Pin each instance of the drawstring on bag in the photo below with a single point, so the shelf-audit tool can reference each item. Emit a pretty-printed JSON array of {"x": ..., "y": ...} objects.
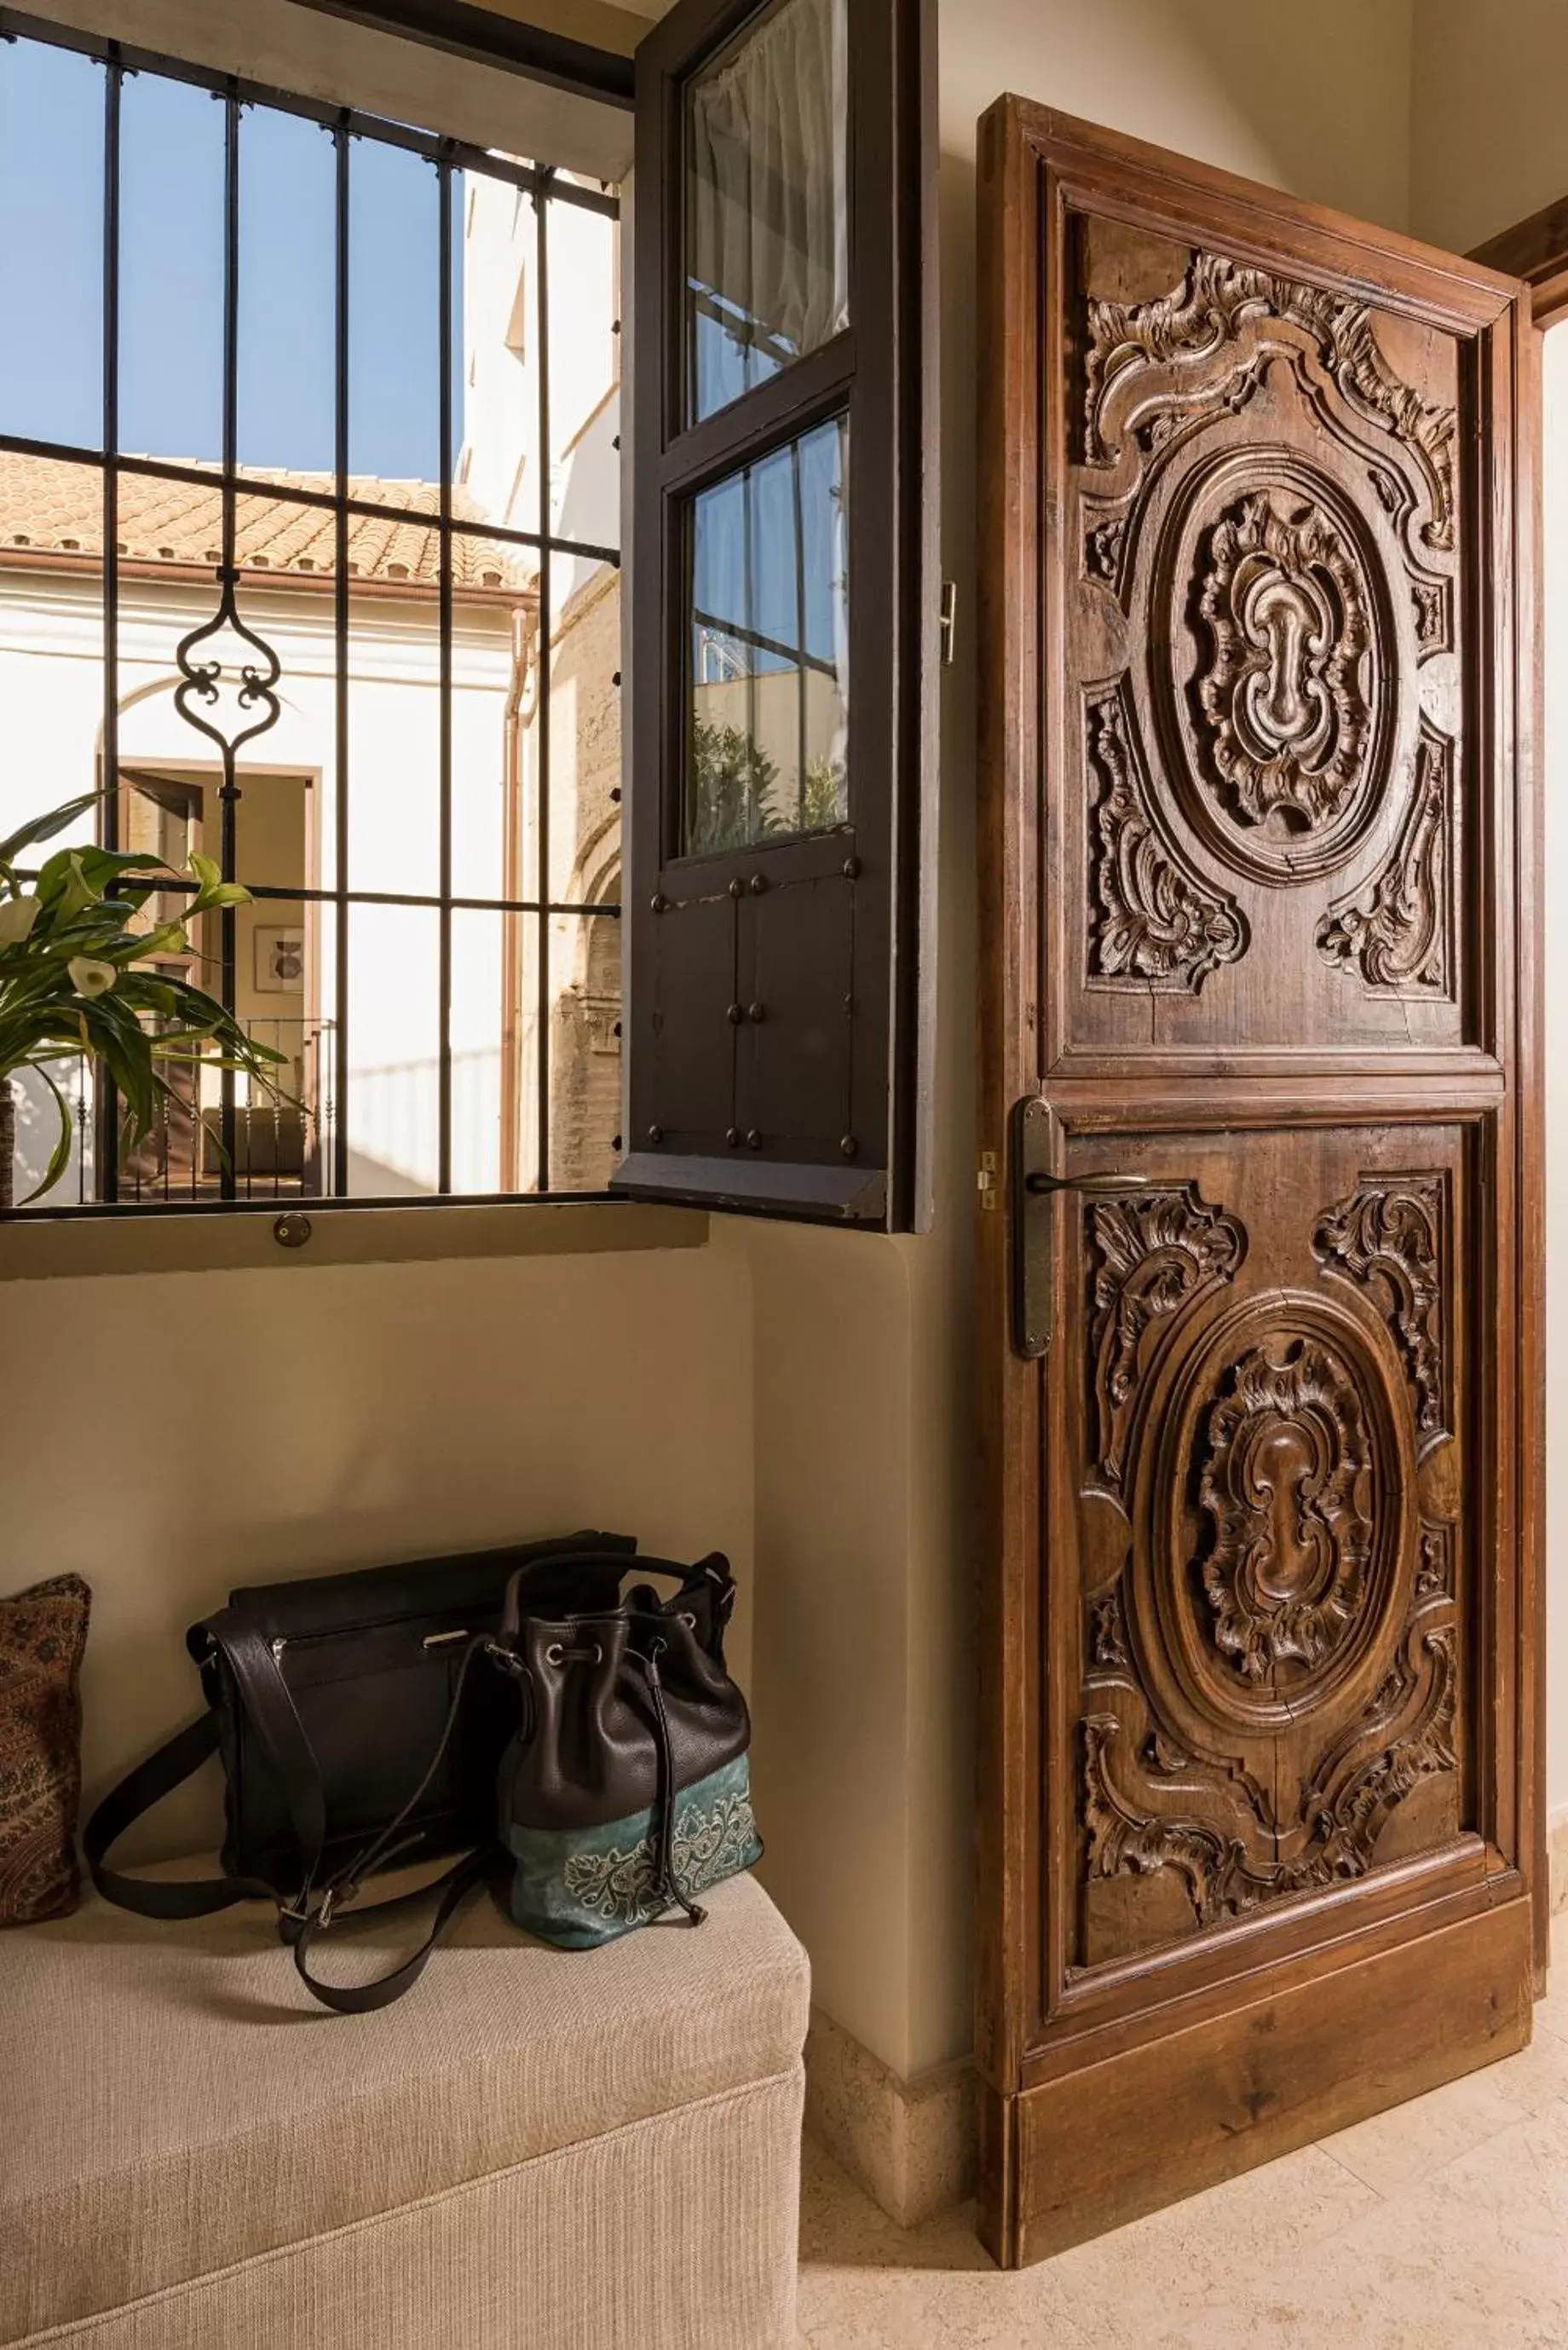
[{"x": 669, "y": 1882}]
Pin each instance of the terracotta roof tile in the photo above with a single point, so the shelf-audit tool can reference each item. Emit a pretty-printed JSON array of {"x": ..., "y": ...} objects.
[{"x": 57, "y": 507}]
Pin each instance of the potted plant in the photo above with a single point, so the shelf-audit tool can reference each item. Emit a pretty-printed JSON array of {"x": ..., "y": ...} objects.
[{"x": 74, "y": 978}]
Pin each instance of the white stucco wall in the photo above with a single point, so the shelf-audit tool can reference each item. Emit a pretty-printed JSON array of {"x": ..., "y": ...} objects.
[{"x": 51, "y": 708}]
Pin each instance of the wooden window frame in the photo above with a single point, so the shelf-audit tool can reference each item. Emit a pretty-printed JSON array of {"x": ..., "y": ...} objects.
[
  {"x": 878, "y": 370},
  {"x": 468, "y": 28}
]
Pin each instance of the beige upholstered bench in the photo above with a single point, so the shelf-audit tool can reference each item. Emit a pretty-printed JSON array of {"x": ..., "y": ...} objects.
[{"x": 534, "y": 2151}]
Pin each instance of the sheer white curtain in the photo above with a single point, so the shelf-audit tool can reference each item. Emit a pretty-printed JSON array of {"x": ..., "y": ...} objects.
[{"x": 767, "y": 230}]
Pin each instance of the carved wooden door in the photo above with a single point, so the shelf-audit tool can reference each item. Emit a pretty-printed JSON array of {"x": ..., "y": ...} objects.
[{"x": 1258, "y": 1192}]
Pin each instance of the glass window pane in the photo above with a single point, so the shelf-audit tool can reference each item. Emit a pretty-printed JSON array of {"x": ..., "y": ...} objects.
[
  {"x": 584, "y": 783},
  {"x": 278, "y": 1000},
  {"x": 585, "y": 1051},
  {"x": 768, "y": 689},
  {"x": 766, "y": 231},
  {"x": 394, "y": 319},
  {"x": 494, "y": 659},
  {"x": 394, "y": 709},
  {"x": 393, "y": 1080},
  {"x": 495, "y": 353},
  {"x": 585, "y": 375},
  {"x": 51, "y": 714},
  {"x": 51, "y": 260},
  {"x": 38, "y": 1133},
  {"x": 494, "y": 1084},
  {"x": 288, "y": 307},
  {"x": 170, "y": 538},
  {"x": 51, "y": 639},
  {"x": 339, "y": 799},
  {"x": 171, "y": 270}
]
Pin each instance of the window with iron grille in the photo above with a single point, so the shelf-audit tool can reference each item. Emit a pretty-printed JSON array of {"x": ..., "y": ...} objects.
[
  {"x": 309, "y": 525},
  {"x": 310, "y": 565}
]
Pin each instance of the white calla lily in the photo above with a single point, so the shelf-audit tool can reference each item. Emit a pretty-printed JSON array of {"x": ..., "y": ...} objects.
[
  {"x": 77, "y": 894},
  {"x": 17, "y": 916},
  {"x": 90, "y": 977}
]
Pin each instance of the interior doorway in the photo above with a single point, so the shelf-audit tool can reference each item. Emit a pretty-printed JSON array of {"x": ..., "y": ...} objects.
[{"x": 171, "y": 811}]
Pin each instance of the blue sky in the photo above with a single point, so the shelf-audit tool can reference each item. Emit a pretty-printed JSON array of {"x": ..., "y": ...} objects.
[{"x": 172, "y": 278}]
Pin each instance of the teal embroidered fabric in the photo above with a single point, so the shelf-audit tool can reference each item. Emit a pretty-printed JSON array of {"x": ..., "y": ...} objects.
[{"x": 580, "y": 1886}]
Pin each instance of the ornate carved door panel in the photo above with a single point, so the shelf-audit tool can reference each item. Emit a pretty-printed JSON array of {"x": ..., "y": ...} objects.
[
  {"x": 1273, "y": 1529},
  {"x": 1259, "y": 1801}
]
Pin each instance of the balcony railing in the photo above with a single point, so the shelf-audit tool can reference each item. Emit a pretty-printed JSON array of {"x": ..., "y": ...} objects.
[
  {"x": 284, "y": 1146},
  {"x": 281, "y": 1145}
]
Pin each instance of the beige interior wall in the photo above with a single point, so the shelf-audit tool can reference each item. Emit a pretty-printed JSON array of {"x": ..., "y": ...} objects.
[
  {"x": 168, "y": 1436},
  {"x": 1490, "y": 128}
]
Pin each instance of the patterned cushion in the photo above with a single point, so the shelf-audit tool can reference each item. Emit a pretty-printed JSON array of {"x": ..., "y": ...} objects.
[{"x": 42, "y": 1634}]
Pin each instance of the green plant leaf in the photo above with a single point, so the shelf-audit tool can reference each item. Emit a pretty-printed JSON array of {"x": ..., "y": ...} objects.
[
  {"x": 60, "y": 1156},
  {"x": 217, "y": 893},
  {"x": 45, "y": 827},
  {"x": 101, "y": 865},
  {"x": 136, "y": 946},
  {"x": 53, "y": 875}
]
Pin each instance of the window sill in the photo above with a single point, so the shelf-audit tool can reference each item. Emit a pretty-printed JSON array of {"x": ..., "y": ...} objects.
[{"x": 61, "y": 1249}]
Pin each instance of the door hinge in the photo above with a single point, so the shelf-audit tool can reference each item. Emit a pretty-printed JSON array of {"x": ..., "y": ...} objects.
[{"x": 948, "y": 624}]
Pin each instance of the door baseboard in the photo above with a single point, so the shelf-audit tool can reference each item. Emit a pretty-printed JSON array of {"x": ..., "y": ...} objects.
[
  {"x": 909, "y": 2144},
  {"x": 1072, "y": 2159},
  {"x": 1557, "y": 1858}
]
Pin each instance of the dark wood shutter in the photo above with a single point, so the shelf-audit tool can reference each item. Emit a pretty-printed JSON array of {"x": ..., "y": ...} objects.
[{"x": 775, "y": 1017}]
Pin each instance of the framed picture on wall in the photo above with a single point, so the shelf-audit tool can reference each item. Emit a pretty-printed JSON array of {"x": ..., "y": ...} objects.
[{"x": 279, "y": 959}]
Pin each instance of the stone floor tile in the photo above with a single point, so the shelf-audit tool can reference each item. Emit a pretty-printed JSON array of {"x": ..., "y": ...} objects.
[
  {"x": 1397, "y": 2148},
  {"x": 1152, "y": 2274},
  {"x": 867, "y": 2284},
  {"x": 1442, "y": 2225}
]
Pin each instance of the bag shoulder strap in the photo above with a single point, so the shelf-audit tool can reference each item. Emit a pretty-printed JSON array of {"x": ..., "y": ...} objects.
[
  {"x": 454, "y": 1887},
  {"x": 274, "y": 1719},
  {"x": 609, "y": 1567},
  {"x": 137, "y": 1792},
  {"x": 270, "y": 1711}
]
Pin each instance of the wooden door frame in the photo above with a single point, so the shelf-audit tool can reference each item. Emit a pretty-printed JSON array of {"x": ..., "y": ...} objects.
[
  {"x": 1018, "y": 637},
  {"x": 1535, "y": 251}
]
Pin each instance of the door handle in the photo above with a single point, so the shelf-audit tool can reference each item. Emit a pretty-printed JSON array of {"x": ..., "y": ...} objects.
[
  {"x": 1107, "y": 1180},
  {"x": 1033, "y": 1189}
]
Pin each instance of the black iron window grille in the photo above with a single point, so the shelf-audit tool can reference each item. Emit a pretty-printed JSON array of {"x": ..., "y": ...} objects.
[{"x": 251, "y": 611}]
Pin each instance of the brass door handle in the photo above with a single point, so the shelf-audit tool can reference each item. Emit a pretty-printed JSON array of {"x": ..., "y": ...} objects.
[
  {"x": 1035, "y": 1142},
  {"x": 1107, "y": 1183}
]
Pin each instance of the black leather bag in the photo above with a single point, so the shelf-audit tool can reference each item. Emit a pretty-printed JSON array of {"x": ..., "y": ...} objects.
[
  {"x": 375, "y": 1717},
  {"x": 327, "y": 1700}
]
